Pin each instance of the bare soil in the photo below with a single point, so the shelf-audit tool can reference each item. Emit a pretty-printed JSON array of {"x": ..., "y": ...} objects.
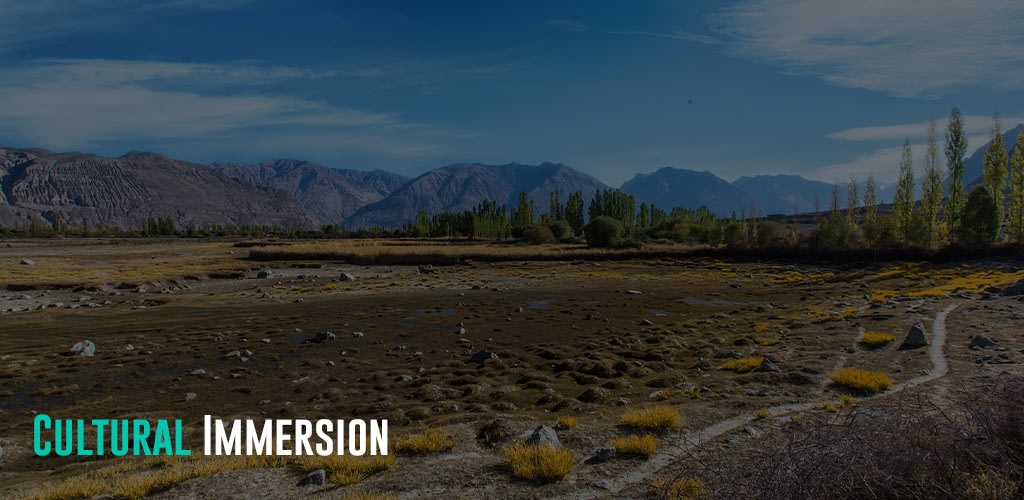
[{"x": 587, "y": 339}]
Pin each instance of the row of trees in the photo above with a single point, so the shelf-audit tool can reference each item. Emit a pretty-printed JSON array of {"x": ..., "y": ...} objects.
[{"x": 933, "y": 220}]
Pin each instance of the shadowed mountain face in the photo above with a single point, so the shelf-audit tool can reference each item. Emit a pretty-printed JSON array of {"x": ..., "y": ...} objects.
[
  {"x": 676, "y": 187},
  {"x": 124, "y": 192},
  {"x": 462, "y": 186},
  {"x": 331, "y": 195}
]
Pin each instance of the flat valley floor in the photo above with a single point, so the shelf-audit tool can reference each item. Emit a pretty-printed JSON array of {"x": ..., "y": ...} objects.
[{"x": 187, "y": 328}]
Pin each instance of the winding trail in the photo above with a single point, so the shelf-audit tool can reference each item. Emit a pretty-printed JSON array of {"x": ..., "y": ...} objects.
[{"x": 686, "y": 442}]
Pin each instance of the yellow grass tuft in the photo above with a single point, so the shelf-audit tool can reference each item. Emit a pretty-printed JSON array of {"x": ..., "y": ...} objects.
[
  {"x": 861, "y": 380},
  {"x": 847, "y": 400},
  {"x": 565, "y": 422},
  {"x": 679, "y": 488},
  {"x": 877, "y": 339},
  {"x": 431, "y": 440},
  {"x": 830, "y": 407},
  {"x": 762, "y": 413},
  {"x": 635, "y": 445},
  {"x": 543, "y": 463},
  {"x": 766, "y": 341},
  {"x": 345, "y": 470},
  {"x": 742, "y": 365},
  {"x": 655, "y": 418}
]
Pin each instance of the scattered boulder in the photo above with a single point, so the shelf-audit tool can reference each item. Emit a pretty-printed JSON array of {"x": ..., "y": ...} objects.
[
  {"x": 425, "y": 268},
  {"x": 324, "y": 336},
  {"x": 483, "y": 356},
  {"x": 916, "y": 337},
  {"x": 603, "y": 453},
  {"x": 28, "y": 262},
  {"x": 264, "y": 274},
  {"x": 315, "y": 478},
  {"x": 544, "y": 435},
  {"x": 189, "y": 396},
  {"x": 981, "y": 342},
  {"x": 198, "y": 371},
  {"x": 403, "y": 378},
  {"x": 646, "y": 322},
  {"x": 347, "y": 277},
  {"x": 83, "y": 348},
  {"x": 767, "y": 366}
]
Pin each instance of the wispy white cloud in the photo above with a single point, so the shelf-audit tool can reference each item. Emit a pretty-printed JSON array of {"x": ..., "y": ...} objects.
[
  {"x": 686, "y": 36},
  {"x": 973, "y": 124},
  {"x": 79, "y": 104},
  {"x": 883, "y": 163},
  {"x": 906, "y": 48}
]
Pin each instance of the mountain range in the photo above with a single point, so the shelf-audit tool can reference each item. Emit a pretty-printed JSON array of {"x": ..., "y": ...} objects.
[{"x": 124, "y": 192}]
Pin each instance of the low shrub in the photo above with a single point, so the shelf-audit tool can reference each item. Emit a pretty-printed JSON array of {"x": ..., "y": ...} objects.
[
  {"x": 655, "y": 418},
  {"x": 541, "y": 463},
  {"x": 742, "y": 365},
  {"x": 861, "y": 380},
  {"x": 877, "y": 339},
  {"x": 635, "y": 445}
]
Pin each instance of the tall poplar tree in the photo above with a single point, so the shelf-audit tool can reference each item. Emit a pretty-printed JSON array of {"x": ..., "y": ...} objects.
[
  {"x": 870, "y": 202},
  {"x": 903, "y": 201},
  {"x": 956, "y": 148},
  {"x": 931, "y": 186},
  {"x": 852, "y": 201},
  {"x": 993, "y": 170},
  {"x": 1017, "y": 190}
]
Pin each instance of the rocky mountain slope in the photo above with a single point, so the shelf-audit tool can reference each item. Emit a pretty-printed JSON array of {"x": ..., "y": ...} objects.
[
  {"x": 124, "y": 192},
  {"x": 463, "y": 186},
  {"x": 330, "y": 194},
  {"x": 670, "y": 187}
]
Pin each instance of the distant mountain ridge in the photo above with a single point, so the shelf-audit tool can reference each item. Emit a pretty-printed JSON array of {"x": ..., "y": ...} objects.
[
  {"x": 124, "y": 192},
  {"x": 331, "y": 195},
  {"x": 463, "y": 186},
  {"x": 670, "y": 187}
]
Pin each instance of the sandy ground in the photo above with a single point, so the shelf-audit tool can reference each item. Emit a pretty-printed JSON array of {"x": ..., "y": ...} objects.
[{"x": 587, "y": 339}]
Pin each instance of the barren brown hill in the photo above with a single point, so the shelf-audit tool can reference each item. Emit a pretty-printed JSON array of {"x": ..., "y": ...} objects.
[
  {"x": 330, "y": 194},
  {"x": 124, "y": 192}
]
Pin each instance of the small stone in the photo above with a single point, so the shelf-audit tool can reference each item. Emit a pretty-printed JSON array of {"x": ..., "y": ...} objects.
[
  {"x": 347, "y": 277},
  {"x": 603, "y": 453},
  {"x": 233, "y": 354},
  {"x": 633, "y": 292},
  {"x": 916, "y": 337},
  {"x": 604, "y": 484},
  {"x": 646, "y": 322},
  {"x": 198, "y": 371},
  {"x": 264, "y": 274},
  {"x": 28, "y": 262},
  {"x": 265, "y": 341},
  {"x": 357, "y": 334},
  {"x": 460, "y": 330},
  {"x": 129, "y": 347},
  {"x": 404, "y": 378},
  {"x": 189, "y": 396},
  {"x": 83, "y": 348},
  {"x": 544, "y": 435},
  {"x": 981, "y": 342},
  {"x": 324, "y": 336},
  {"x": 483, "y": 356},
  {"x": 315, "y": 478}
]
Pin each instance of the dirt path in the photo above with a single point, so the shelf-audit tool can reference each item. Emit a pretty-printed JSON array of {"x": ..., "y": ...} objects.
[{"x": 685, "y": 442}]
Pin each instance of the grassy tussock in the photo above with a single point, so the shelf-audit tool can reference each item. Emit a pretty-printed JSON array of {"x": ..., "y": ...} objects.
[
  {"x": 432, "y": 440},
  {"x": 679, "y": 488},
  {"x": 877, "y": 339},
  {"x": 541, "y": 463},
  {"x": 345, "y": 470},
  {"x": 137, "y": 479},
  {"x": 762, "y": 413},
  {"x": 861, "y": 380},
  {"x": 742, "y": 365},
  {"x": 565, "y": 422},
  {"x": 766, "y": 341},
  {"x": 655, "y": 418},
  {"x": 644, "y": 446}
]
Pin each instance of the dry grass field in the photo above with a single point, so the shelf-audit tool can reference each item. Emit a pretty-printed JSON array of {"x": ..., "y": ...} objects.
[{"x": 634, "y": 352}]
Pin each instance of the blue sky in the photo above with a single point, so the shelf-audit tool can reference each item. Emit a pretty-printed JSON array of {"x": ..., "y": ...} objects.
[{"x": 821, "y": 88}]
